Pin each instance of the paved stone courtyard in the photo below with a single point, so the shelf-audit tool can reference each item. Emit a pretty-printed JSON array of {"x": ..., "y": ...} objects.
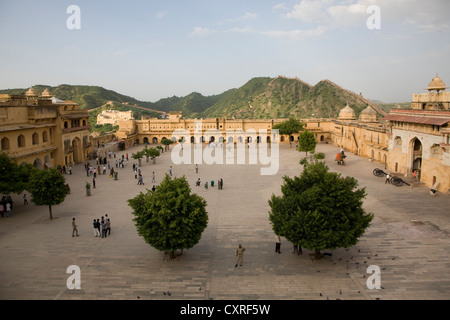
[{"x": 408, "y": 240}]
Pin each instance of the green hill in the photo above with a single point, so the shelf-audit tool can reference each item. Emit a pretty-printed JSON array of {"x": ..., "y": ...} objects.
[
  {"x": 283, "y": 97},
  {"x": 261, "y": 97}
]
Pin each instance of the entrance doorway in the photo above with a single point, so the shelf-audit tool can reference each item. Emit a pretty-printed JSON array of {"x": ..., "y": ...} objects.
[
  {"x": 416, "y": 157},
  {"x": 76, "y": 144}
]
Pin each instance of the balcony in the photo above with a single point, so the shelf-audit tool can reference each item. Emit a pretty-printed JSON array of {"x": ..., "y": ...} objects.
[{"x": 74, "y": 129}]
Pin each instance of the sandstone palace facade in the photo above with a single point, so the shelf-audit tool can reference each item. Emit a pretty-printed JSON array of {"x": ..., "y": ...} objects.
[
  {"x": 43, "y": 130},
  {"x": 47, "y": 132},
  {"x": 403, "y": 141}
]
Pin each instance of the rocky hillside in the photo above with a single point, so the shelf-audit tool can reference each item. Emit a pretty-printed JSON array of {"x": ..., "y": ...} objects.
[
  {"x": 291, "y": 97},
  {"x": 261, "y": 97}
]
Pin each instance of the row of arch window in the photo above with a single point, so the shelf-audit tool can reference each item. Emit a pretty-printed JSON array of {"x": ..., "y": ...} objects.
[
  {"x": 230, "y": 139},
  {"x": 21, "y": 141},
  {"x": 221, "y": 139},
  {"x": 435, "y": 149}
]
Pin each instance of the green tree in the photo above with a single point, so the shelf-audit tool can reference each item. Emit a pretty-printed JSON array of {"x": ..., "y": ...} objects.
[
  {"x": 289, "y": 127},
  {"x": 138, "y": 156},
  {"x": 170, "y": 218},
  {"x": 13, "y": 177},
  {"x": 320, "y": 210},
  {"x": 319, "y": 156},
  {"x": 166, "y": 142},
  {"x": 47, "y": 188},
  {"x": 306, "y": 142},
  {"x": 152, "y": 153}
]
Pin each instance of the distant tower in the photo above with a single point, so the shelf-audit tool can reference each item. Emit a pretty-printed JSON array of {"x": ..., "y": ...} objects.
[
  {"x": 32, "y": 95},
  {"x": 46, "y": 94},
  {"x": 347, "y": 113}
]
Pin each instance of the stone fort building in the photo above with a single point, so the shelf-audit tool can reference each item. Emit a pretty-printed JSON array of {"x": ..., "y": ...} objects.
[
  {"x": 43, "y": 130},
  {"x": 404, "y": 141}
]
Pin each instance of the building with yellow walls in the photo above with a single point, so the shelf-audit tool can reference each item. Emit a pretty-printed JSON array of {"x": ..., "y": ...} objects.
[
  {"x": 419, "y": 138},
  {"x": 403, "y": 141},
  {"x": 43, "y": 130}
]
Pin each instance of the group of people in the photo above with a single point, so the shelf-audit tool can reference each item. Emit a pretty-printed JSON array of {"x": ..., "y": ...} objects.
[
  {"x": 296, "y": 248},
  {"x": 219, "y": 183},
  {"x": 6, "y": 206},
  {"x": 102, "y": 228},
  {"x": 63, "y": 169}
]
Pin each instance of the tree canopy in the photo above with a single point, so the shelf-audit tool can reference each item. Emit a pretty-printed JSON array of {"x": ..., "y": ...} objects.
[
  {"x": 47, "y": 188},
  {"x": 13, "y": 177},
  {"x": 151, "y": 152},
  {"x": 170, "y": 218},
  {"x": 306, "y": 142},
  {"x": 166, "y": 142},
  {"x": 289, "y": 127},
  {"x": 320, "y": 209}
]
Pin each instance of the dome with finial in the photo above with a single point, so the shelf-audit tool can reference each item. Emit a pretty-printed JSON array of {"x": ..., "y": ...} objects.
[
  {"x": 31, "y": 93},
  {"x": 436, "y": 84},
  {"x": 368, "y": 115},
  {"x": 46, "y": 94},
  {"x": 347, "y": 113}
]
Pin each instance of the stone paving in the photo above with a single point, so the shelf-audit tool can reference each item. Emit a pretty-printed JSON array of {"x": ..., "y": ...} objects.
[{"x": 408, "y": 240}]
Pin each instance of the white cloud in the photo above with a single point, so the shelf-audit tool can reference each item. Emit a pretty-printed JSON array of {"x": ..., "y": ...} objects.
[
  {"x": 201, "y": 32},
  {"x": 248, "y": 15},
  {"x": 280, "y": 6},
  {"x": 424, "y": 16},
  {"x": 242, "y": 30},
  {"x": 310, "y": 11},
  {"x": 161, "y": 14},
  {"x": 296, "y": 35}
]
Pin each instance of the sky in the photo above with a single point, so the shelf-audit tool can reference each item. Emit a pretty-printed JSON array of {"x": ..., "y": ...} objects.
[{"x": 385, "y": 49}]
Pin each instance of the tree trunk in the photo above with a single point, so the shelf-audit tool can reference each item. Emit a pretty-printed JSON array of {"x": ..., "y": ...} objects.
[
  {"x": 318, "y": 254},
  {"x": 50, "y": 211}
]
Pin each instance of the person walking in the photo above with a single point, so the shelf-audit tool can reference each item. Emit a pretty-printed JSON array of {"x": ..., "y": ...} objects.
[
  {"x": 170, "y": 170},
  {"x": 96, "y": 228},
  {"x": 74, "y": 228},
  {"x": 8, "y": 209},
  {"x": 153, "y": 177},
  {"x": 278, "y": 244},
  {"x": 25, "y": 201},
  {"x": 103, "y": 224},
  {"x": 108, "y": 227},
  {"x": 387, "y": 179},
  {"x": 240, "y": 255},
  {"x": 196, "y": 168},
  {"x": 297, "y": 249}
]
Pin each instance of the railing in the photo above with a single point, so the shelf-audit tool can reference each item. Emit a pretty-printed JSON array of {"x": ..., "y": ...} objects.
[
  {"x": 68, "y": 130},
  {"x": 68, "y": 150}
]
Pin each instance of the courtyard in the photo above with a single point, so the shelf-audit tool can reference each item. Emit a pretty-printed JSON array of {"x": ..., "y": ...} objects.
[{"x": 408, "y": 240}]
